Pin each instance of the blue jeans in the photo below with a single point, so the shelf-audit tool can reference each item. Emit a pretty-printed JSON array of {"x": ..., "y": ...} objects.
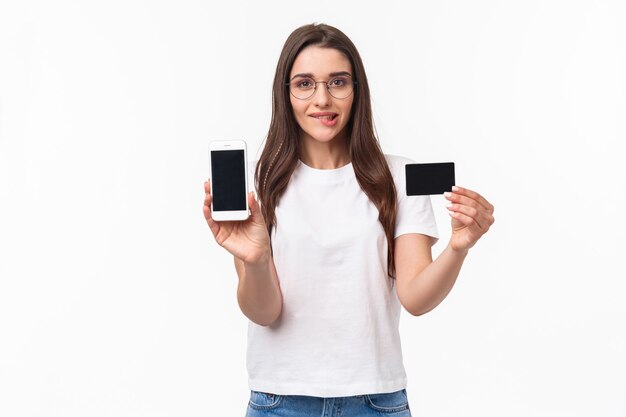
[{"x": 394, "y": 404}]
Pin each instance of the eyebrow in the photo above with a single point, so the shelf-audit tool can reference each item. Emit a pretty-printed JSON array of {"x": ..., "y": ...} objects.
[{"x": 332, "y": 74}]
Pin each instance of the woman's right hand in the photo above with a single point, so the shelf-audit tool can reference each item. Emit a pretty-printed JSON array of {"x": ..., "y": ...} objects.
[{"x": 247, "y": 240}]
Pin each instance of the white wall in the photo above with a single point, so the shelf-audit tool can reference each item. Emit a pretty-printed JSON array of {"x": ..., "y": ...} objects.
[{"x": 116, "y": 301}]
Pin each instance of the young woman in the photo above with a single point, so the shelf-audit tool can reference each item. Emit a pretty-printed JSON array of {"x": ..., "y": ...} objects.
[{"x": 333, "y": 246}]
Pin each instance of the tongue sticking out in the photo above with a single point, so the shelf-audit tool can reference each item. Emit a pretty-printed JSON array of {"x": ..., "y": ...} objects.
[{"x": 328, "y": 121}]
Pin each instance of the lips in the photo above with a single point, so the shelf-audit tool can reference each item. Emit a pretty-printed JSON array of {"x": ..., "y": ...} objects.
[
  {"x": 324, "y": 115},
  {"x": 327, "y": 119}
]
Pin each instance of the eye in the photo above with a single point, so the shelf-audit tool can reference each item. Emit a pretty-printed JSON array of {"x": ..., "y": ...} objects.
[
  {"x": 304, "y": 83},
  {"x": 339, "y": 82}
]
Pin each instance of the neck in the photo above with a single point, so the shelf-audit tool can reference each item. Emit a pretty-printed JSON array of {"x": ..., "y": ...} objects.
[{"x": 324, "y": 155}]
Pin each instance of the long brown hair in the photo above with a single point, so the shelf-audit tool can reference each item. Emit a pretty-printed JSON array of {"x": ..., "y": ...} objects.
[{"x": 280, "y": 156}]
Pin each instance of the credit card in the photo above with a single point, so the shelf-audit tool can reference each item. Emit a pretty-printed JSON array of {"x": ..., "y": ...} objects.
[{"x": 429, "y": 179}]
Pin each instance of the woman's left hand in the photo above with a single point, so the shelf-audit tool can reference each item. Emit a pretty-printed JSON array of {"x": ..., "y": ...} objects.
[{"x": 472, "y": 215}]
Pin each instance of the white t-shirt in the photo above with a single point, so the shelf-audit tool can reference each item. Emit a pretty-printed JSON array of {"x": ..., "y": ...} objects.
[{"x": 337, "y": 334}]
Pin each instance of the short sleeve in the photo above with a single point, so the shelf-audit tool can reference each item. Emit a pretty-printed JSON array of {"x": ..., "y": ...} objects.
[{"x": 415, "y": 213}]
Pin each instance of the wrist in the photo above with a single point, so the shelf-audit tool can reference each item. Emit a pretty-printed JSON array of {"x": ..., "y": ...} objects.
[
  {"x": 461, "y": 252},
  {"x": 259, "y": 261}
]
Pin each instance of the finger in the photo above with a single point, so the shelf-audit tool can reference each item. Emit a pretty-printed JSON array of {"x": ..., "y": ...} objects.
[
  {"x": 252, "y": 201},
  {"x": 469, "y": 213},
  {"x": 213, "y": 225},
  {"x": 474, "y": 196},
  {"x": 463, "y": 200},
  {"x": 255, "y": 209},
  {"x": 458, "y": 201},
  {"x": 207, "y": 200},
  {"x": 471, "y": 208},
  {"x": 482, "y": 218},
  {"x": 207, "y": 193},
  {"x": 465, "y": 220}
]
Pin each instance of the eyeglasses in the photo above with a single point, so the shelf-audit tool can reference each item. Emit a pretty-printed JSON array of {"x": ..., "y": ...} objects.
[{"x": 303, "y": 88}]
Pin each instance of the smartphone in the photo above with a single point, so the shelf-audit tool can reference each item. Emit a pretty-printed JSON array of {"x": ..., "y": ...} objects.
[
  {"x": 428, "y": 179},
  {"x": 229, "y": 179}
]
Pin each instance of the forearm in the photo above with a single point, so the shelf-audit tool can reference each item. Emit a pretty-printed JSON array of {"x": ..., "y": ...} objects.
[
  {"x": 258, "y": 292},
  {"x": 429, "y": 288}
]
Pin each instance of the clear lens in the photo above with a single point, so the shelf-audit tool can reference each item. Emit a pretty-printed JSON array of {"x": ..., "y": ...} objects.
[
  {"x": 339, "y": 87},
  {"x": 302, "y": 88}
]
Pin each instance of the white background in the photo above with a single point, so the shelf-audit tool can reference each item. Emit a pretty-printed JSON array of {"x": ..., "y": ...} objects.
[{"x": 116, "y": 301}]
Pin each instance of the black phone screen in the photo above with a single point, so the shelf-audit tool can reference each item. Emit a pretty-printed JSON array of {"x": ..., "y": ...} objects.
[{"x": 228, "y": 179}]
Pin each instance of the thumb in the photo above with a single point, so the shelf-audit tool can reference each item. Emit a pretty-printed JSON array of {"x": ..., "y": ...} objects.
[{"x": 254, "y": 207}]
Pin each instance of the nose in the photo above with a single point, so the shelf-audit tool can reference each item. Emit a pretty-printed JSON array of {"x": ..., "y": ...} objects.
[{"x": 321, "y": 97}]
